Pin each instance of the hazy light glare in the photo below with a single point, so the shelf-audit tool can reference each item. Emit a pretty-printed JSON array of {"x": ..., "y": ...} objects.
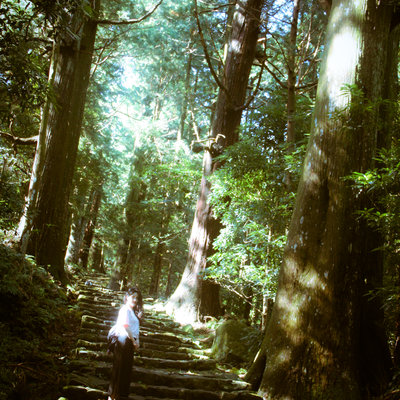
[{"x": 343, "y": 53}]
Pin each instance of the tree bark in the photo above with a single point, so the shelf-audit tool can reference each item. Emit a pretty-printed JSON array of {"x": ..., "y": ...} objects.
[
  {"x": 129, "y": 242},
  {"x": 98, "y": 257},
  {"x": 168, "y": 288},
  {"x": 90, "y": 227},
  {"x": 73, "y": 57},
  {"x": 25, "y": 223},
  {"x": 75, "y": 239},
  {"x": 324, "y": 339},
  {"x": 184, "y": 303},
  {"x": 157, "y": 266}
]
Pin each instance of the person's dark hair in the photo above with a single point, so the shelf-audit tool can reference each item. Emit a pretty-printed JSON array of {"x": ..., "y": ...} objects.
[{"x": 139, "y": 306}]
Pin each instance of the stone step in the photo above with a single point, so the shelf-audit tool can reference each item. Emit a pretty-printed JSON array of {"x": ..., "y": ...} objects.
[
  {"x": 171, "y": 378},
  {"x": 169, "y": 365},
  {"x": 145, "y": 344},
  {"x": 104, "y": 309},
  {"x": 76, "y": 392},
  {"x": 93, "y": 322},
  {"x": 151, "y": 361},
  {"x": 149, "y": 319},
  {"x": 151, "y": 353},
  {"x": 84, "y": 385},
  {"x": 145, "y": 327},
  {"x": 99, "y": 339}
]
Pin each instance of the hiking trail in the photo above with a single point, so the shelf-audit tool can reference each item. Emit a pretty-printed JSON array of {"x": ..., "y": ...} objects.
[{"x": 170, "y": 363}]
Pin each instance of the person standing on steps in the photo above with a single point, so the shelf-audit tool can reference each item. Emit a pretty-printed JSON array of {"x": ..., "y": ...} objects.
[{"x": 123, "y": 340}]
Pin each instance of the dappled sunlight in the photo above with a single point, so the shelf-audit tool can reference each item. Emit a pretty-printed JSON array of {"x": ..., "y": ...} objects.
[
  {"x": 234, "y": 46},
  {"x": 293, "y": 303},
  {"x": 315, "y": 156},
  {"x": 310, "y": 279},
  {"x": 344, "y": 52}
]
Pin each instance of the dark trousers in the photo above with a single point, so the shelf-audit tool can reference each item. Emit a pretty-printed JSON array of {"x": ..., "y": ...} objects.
[{"x": 122, "y": 368}]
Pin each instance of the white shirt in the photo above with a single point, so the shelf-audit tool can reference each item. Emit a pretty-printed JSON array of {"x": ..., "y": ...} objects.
[{"x": 128, "y": 322}]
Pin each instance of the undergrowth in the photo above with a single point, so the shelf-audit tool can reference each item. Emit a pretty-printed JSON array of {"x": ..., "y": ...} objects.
[{"x": 38, "y": 322}]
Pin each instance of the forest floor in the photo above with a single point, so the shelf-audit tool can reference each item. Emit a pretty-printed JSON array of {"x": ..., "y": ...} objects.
[
  {"x": 39, "y": 324},
  {"x": 42, "y": 376}
]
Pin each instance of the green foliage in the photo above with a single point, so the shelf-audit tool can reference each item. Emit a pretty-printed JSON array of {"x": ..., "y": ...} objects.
[
  {"x": 23, "y": 68},
  {"x": 11, "y": 199},
  {"x": 159, "y": 206},
  {"x": 251, "y": 199},
  {"x": 33, "y": 315}
]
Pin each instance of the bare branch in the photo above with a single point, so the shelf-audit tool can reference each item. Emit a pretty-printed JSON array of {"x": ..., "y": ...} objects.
[
  {"x": 217, "y": 8},
  {"x": 206, "y": 54},
  {"x": 307, "y": 86},
  {"x": 129, "y": 21},
  {"x": 283, "y": 51},
  {"x": 275, "y": 76},
  {"x": 253, "y": 95},
  {"x": 19, "y": 140}
]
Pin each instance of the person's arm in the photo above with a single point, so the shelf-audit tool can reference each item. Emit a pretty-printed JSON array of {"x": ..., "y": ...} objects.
[
  {"x": 130, "y": 329},
  {"x": 135, "y": 340}
]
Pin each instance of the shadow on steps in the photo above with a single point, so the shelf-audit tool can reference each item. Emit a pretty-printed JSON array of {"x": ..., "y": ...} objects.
[{"x": 169, "y": 364}]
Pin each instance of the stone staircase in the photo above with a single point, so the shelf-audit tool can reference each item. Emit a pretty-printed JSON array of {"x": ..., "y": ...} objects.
[{"x": 170, "y": 365}]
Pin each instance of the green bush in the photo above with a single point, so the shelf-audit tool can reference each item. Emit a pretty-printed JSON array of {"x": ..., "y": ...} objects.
[{"x": 33, "y": 315}]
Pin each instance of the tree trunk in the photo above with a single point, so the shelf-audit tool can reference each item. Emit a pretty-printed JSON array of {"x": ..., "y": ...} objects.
[
  {"x": 268, "y": 304},
  {"x": 98, "y": 257},
  {"x": 389, "y": 120},
  {"x": 25, "y": 223},
  {"x": 77, "y": 230},
  {"x": 248, "y": 302},
  {"x": 168, "y": 288},
  {"x": 157, "y": 266},
  {"x": 129, "y": 242},
  {"x": 90, "y": 227},
  {"x": 210, "y": 299},
  {"x": 185, "y": 301},
  {"x": 324, "y": 339},
  {"x": 73, "y": 57}
]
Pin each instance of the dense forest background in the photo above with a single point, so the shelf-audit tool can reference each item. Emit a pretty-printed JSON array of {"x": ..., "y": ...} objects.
[{"x": 232, "y": 159}]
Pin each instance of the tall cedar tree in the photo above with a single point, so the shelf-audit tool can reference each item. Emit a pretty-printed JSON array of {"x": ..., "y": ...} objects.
[
  {"x": 45, "y": 227},
  {"x": 185, "y": 301},
  {"x": 325, "y": 338}
]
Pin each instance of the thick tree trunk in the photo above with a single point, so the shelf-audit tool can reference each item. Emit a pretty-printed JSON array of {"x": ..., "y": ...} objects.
[
  {"x": 389, "y": 119},
  {"x": 324, "y": 338},
  {"x": 47, "y": 236},
  {"x": 184, "y": 303},
  {"x": 25, "y": 223}
]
